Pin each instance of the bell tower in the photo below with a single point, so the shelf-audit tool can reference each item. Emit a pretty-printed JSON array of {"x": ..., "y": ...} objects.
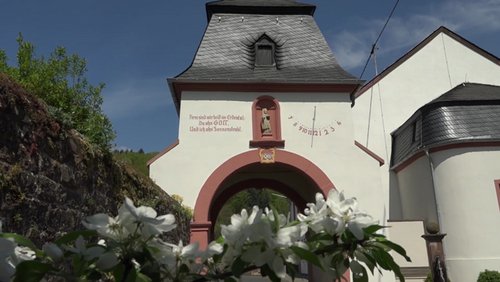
[{"x": 264, "y": 104}]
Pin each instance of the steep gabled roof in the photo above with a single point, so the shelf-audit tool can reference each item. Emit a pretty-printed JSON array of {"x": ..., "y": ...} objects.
[
  {"x": 226, "y": 52},
  {"x": 417, "y": 48}
]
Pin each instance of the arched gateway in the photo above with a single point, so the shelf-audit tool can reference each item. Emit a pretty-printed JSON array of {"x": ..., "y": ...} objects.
[
  {"x": 245, "y": 171},
  {"x": 264, "y": 104}
]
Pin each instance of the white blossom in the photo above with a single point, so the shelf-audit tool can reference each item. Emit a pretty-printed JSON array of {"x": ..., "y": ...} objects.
[
  {"x": 106, "y": 226},
  {"x": 145, "y": 218},
  {"x": 7, "y": 266},
  {"x": 163, "y": 253},
  {"x": 81, "y": 249},
  {"x": 335, "y": 214},
  {"x": 10, "y": 256}
]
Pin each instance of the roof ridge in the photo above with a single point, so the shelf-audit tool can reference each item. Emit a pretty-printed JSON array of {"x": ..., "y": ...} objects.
[
  {"x": 263, "y": 7},
  {"x": 422, "y": 44}
]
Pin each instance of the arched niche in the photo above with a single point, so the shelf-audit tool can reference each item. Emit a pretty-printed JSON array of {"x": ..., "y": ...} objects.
[{"x": 266, "y": 123}]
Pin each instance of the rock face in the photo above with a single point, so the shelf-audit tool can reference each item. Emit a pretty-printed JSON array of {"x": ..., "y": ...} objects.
[{"x": 51, "y": 177}]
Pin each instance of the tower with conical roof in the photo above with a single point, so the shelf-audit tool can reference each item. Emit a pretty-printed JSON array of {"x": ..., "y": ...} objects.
[{"x": 264, "y": 104}]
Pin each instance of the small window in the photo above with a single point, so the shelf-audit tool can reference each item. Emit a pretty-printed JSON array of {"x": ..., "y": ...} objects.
[
  {"x": 264, "y": 52},
  {"x": 497, "y": 189},
  {"x": 264, "y": 55}
]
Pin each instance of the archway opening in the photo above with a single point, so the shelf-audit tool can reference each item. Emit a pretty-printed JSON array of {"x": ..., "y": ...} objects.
[
  {"x": 288, "y": 173},
  {"x": 247, "y": 199},
  {"x": 270, "y": 182}
]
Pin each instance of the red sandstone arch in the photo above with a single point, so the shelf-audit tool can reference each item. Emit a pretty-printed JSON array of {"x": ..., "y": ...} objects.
[
  {"x": 234, "y": 189},
  {"x": 202, "y": 225}
]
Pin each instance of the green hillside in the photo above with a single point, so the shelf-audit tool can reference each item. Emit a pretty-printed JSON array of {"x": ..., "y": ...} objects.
[{"x": 137, "y": 160}]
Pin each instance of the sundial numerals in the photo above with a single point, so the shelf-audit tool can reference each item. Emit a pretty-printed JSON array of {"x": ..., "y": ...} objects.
[{"x": 317, "y": 131}]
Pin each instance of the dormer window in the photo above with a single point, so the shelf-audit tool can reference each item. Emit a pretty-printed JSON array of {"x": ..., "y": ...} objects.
[{"x": 265, "y": 52}]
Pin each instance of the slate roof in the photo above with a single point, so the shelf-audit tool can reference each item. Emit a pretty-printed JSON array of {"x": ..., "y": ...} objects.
[
  {"x": 302, "y": 54},
  {"x": 470, "y": 112}
]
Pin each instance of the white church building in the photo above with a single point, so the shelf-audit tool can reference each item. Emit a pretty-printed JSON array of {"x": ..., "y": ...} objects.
[{"x": 265, "y": 104}]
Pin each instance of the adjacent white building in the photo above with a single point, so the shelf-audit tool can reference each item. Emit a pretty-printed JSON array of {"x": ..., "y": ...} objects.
[
  {"x": 441, "y": 102},
  {"x": 265, "y": 104}
]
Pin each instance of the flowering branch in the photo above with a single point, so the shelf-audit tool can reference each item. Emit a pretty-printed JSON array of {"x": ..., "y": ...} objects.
[{"x": 331, "y": 234}]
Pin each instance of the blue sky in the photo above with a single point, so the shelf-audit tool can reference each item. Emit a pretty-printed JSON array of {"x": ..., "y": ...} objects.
[{"x": 133, "y": 46}]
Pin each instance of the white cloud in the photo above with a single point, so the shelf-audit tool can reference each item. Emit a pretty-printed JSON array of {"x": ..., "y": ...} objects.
[
  {"x": 351, "y": 48},
  {"x": 135, "y": 97},
  {"x": 403, "y": 32}
]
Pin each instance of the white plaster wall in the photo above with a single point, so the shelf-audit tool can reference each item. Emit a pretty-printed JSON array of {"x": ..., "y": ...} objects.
[
  {"x": 422, "y": 78},
  {"x": 468, "y": 209},
  {"x": 184, "y": 169},
  {"x": 408, "y": 235},
  {"x": 416, "y": 191}
]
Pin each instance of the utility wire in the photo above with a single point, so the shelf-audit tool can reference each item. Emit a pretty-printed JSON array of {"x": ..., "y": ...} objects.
[{"x": 378, "y": 37}]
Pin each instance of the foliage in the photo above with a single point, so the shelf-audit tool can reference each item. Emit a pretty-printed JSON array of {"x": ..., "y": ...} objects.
[
  {"x": 60, "y": 81},
  {"x": 184, "y": 209},
  {"x": 489, "y": 276},
  {"x": 332, "y": 234},
  {"x": 246, "y": 200},
  {"x": 136, "y": 160}
]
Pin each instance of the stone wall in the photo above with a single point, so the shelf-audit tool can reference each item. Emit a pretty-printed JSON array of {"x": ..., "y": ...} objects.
[{"x": 51, "y": 177}]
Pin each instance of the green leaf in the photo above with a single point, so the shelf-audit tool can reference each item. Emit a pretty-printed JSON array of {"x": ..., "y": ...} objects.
[
  {"x": 307, "y": 255},
  {"x": 220, "y": 240},
  {"x": 133, "y": 275},
  {"x": 72, "y": 236},
  {"x": 142, "y": 278},
  {"x": 31, "y": 271},
  {"x": 373, "y": 228},
  {"x": 359, "y": 272},
  {"x": 366, "y": 258},
  {"x": 385, "y": 260},
  {"x": 267, "y": 271},
  {"x": 323, "y": 236},
  {"x": 395, "y": 247},
  {"x": 118, "y": 272},
  {"x": 291, "y": 270},
  {"x": 238, "y": 267},
  {"x": 20, "y": 240},
  {"x": 276, "y": 219}
]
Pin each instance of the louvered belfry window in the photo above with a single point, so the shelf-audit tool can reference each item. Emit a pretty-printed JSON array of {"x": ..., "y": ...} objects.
[{"x": 264, "y": 52}]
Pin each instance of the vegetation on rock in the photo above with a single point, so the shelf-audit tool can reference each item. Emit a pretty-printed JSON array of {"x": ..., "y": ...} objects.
[
  {"x": 51, "y": 176},
  {"x": 137, "y": 160},
  {"x": 60, "y": 81}
]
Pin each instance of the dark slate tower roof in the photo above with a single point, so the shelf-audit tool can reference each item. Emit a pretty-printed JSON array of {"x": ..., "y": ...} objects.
[
  {"x": 227, "y": 51},
  {"x": 470, "y": 112},
  {"x": 272, "y": 7}
]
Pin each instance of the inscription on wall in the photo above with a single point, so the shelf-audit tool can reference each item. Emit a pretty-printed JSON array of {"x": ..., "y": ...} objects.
[{"x": 203, "y": 123}]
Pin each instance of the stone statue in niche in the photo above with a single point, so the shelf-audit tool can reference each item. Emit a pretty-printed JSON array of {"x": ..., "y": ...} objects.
[{"x": 266, "y": 122}]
